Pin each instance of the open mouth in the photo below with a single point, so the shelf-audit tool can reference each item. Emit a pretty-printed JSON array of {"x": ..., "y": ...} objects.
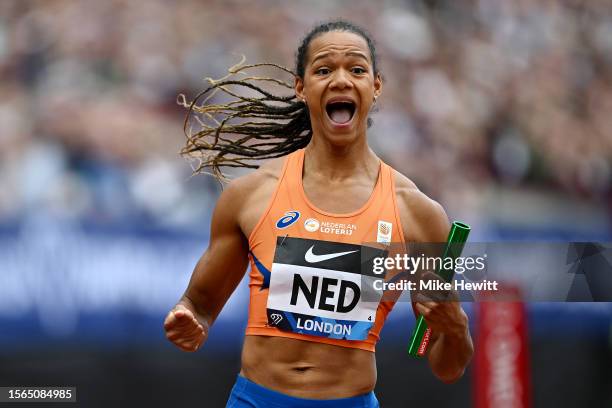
[{"x": 340, "y": 112}]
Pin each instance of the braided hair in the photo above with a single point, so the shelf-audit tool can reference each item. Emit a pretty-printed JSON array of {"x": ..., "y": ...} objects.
[{"x": 257, "y": 123}]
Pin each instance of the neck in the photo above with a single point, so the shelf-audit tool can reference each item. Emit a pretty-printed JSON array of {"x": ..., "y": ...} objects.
[{"x": 334, "y": 162}]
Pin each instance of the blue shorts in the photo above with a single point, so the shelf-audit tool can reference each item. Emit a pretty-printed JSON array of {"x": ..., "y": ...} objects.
[{"x": 247, "y": 394}]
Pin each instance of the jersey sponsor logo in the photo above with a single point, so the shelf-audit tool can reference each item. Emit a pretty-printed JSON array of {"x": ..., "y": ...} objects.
[
  {"x": 286, "y": 220},
  {"x": 312, "y": 224},
  {"x": 310, "y": 257},
  {"x": 337, "y": 228},
  {"x": 383, "y": 233}
]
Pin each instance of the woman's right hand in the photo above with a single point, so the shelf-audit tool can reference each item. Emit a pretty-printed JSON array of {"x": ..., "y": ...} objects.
[
  {"x": 183, "y": 329},
  {"x": 217, "y": 273}
]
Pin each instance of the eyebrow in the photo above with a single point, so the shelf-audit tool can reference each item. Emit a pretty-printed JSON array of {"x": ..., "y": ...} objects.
[{"x": 348, "y": 53}]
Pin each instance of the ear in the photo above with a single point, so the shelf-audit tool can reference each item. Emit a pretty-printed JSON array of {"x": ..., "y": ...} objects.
[
  {"x": 377, "y": 85},
  {"x": 298, "y": 85}
]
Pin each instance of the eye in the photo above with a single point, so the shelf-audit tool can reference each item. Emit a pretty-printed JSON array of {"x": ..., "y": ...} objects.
[
  {"x": 322, "y": 71},
  {"x": 358, "y": 70}
]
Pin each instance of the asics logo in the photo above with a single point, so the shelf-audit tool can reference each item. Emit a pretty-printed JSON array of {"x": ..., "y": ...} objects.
[
  {"x": 312, "y": 258},
  {"x": 289, "y": 218}
]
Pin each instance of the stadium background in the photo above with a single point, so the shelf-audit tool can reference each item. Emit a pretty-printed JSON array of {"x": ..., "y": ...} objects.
[{"x": 498, "y": 109}]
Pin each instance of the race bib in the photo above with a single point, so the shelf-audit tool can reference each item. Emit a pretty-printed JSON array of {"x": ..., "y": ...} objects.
[{"x": 323, "y": 288}]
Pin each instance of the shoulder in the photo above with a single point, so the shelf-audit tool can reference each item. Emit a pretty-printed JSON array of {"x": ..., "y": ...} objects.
[
  {"x": 423, "y": 219},
  {"x": 244, "y": 186},
  {"x": 243, "y": 196}
]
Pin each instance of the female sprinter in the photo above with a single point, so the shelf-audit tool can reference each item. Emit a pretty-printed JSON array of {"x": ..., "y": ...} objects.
[{"x": 303, "y": 221}]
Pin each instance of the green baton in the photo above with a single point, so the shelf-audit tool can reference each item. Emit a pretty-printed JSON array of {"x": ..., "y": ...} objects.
[{"x": 454, "y": 245}]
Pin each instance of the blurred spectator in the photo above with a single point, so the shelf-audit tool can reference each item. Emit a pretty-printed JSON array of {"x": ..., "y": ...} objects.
[{"x": 480, "y": 96}]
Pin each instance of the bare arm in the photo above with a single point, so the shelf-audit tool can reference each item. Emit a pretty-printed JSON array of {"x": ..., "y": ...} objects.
[
  {"x": 215, "y": 276},
  {"x": 451, "y": 348}
]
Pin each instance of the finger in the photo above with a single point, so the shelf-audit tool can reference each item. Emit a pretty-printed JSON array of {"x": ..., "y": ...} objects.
[
  {"x": 183, "y": 326},
  {"x": 189, "y": 345},
  {"x": 176, "y": 335},
  {"x": 453, "y": 296},
  {"x": 422, "y": 298},
  {"x": 181, "y": 312},
  {"x": 422, "y": 309},
  {"x": 170, "y": 321},
  {"x": 187, "y": 329},
  {"x": 442, "y": 293},
  {"x": 431, "y": 304},
  {"x": 430, "y": 275},
  {"x": 196, "y": 338},
  {"x": 184, "y": 318}
]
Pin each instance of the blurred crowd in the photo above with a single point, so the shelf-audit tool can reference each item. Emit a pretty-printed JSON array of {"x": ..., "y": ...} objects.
[{"x": 479, "y": 95}]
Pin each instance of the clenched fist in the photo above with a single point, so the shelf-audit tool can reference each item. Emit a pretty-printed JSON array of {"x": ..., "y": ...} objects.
[
  {"x": 184, "y": 330},
  {"x": 441, "y": 309}
]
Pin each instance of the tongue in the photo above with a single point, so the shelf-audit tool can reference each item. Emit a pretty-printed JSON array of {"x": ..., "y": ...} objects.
[{"x": 341, "y": 115}]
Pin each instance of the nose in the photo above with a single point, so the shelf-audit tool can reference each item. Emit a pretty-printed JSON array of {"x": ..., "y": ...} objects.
[{"x": 341, "y": 80}]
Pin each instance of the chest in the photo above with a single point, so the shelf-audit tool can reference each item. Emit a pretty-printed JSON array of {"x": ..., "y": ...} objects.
[{"x": 337, "y": 197}]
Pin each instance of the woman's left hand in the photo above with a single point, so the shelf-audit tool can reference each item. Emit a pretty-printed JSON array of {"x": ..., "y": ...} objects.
[{"x": 442, "y": 311}]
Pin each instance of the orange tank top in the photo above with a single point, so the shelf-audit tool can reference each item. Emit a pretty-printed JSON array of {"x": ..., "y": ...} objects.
[{"x": 311, "y": 271}]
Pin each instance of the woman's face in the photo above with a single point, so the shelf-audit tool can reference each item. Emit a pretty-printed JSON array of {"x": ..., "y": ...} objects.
[{"x": 339, "y": 85}]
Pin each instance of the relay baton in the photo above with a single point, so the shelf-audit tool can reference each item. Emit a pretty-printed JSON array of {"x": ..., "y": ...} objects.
[{"x": 454, "y": 245}]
